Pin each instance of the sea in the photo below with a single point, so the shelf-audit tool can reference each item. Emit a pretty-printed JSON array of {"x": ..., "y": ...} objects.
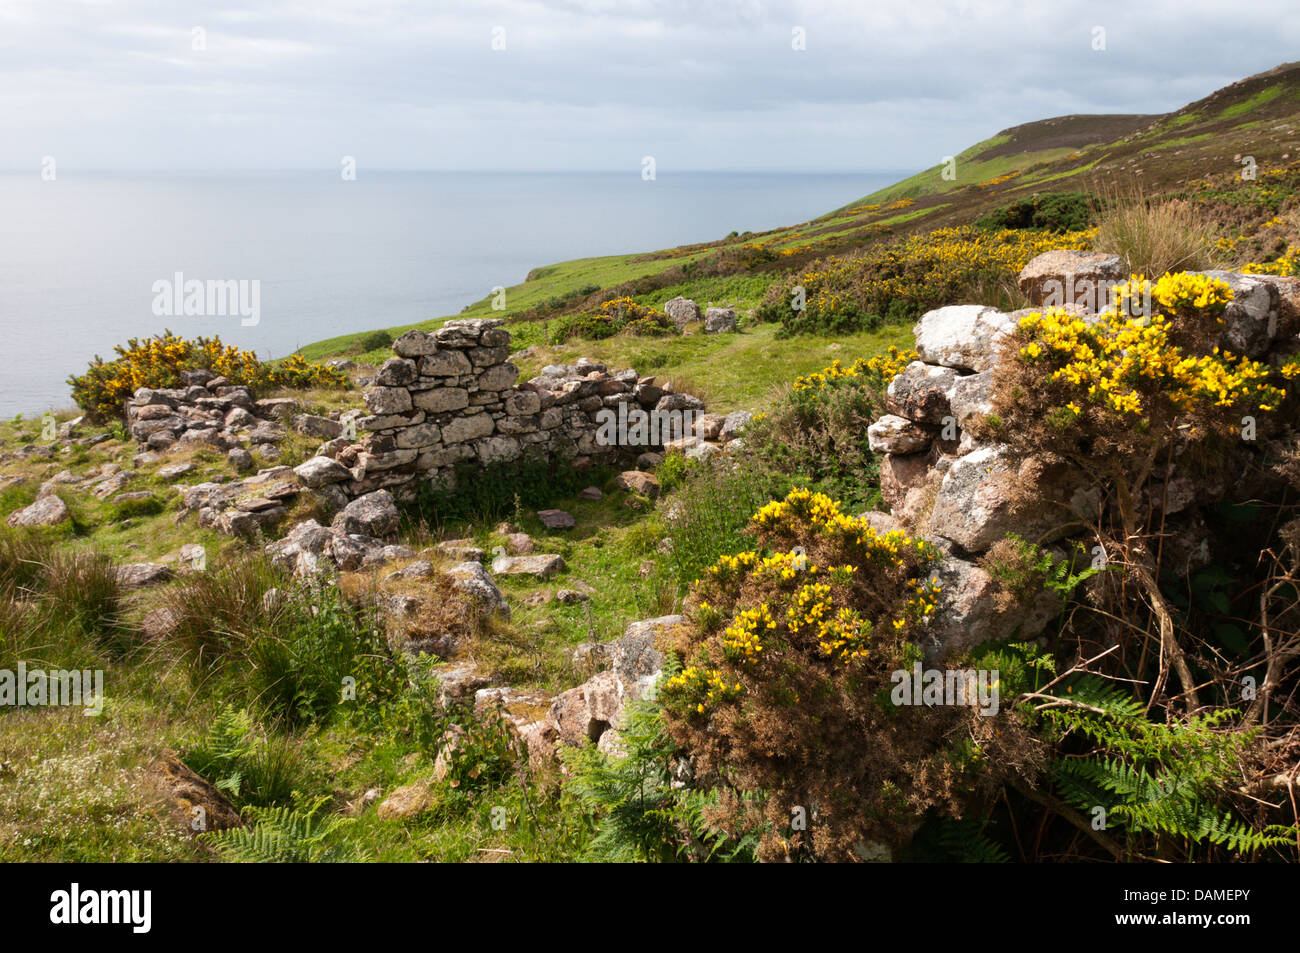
[{"x": 88, "y": 261}]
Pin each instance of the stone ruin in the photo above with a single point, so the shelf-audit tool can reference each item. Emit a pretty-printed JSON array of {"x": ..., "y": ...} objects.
[
  {"x": 965, "y": 494},
  {"x": 451, "y": 397}
]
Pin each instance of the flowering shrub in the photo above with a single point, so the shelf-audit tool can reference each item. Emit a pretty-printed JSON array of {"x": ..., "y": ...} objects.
[
  {"x": 1118, "y": 382},
  {"x": 875, "y": 371},
  {"x": 786, "y": 661},
  {"x": 158, "y": 362},
  {"x": 618, "y": 315},
  {"x": 902, "y": 280},
  {"x": 816, "y": 434},
  {"x": 1287, "y": 265}
]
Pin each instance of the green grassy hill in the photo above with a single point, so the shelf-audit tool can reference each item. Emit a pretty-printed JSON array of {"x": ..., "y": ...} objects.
[{"x": 1173, "y": 153}]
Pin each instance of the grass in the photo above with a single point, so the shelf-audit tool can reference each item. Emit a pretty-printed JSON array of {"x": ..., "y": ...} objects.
[
  {"x": 1153, "y": 236},
  {"x": 73, "y": 787},
  {"x": 735, "y": 371}
]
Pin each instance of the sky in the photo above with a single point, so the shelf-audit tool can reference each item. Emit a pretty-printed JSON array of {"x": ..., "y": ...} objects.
[{"x": 586, "y": 85}]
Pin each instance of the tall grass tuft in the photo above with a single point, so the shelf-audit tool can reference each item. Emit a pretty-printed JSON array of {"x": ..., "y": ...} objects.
[
  {"x": 57, "y": 605},
  {"x": 285, "y": 652},
  {"x": 1153, "y": 236}
]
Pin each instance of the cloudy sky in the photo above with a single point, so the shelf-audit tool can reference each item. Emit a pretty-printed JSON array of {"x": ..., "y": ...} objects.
[{"x": 593, "y": 84}]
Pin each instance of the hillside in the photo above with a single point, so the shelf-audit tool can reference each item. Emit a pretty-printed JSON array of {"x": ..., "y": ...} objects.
[
  {"x": 426, "y": 605},
  {"x": 1174, "y": 153}
]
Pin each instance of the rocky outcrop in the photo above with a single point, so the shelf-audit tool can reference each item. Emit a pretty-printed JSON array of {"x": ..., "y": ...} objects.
[
  {"x": 598, "y": 705},
  {"x": 967, "y": 493},
  {"x": 48, "y": 510}
]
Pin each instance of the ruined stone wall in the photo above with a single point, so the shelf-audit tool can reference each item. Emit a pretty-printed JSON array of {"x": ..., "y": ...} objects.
[{"x": 451, "y": 396}]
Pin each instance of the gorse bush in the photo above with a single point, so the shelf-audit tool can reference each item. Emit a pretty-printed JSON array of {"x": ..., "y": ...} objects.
[
  {"x": 901, "y": 280},
  {"x": 616, "y": 316},
  {"x": 158, "y": 362},
  {"x": 782, "y": 698},
  {"x": 1104, "y": 392},
  {"x": 816, "y": 433}
]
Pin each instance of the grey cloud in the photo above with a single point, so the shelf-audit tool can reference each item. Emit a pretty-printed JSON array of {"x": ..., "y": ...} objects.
[{"x": 593, "y": 83}]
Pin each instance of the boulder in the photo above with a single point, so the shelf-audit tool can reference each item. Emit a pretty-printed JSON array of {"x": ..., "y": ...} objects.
[
  {"x": 320, "y": 471},
  {"x": 1251, "y": 317},
  {"x": 635, "y": 655},
  {"x": 307, "y": 537},
  {"x": 408, "y": 801},
  {"x": 556, "y": 519},
  {"x": 47, "y": 511},
  {"x": 138, "y": 575},
  {"x": 240, "y": 459},
  {"x": 540, "y": 565},
  {"x": 1071, "y": 277},
  {"x": 639, "y": 482},
  {"x": 963, "y": 336},
  {"x": 313, "y": 425},
  {"x": 175, "y": 471},
  {"x": 735, "y": 422},
  {"x": 719, "y": 320},
  {"x": 520, "y": 544},
  {"x": 682, "y": 311},
  {"x": 373, "y": 514},
  {"x": 894, "y": 434},
  {"x": 472, "y": 578},
  {"x": 461, "y": 550}
]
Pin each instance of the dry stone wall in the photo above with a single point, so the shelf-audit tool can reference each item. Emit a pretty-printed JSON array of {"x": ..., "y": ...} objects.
[
  {"x": 452, "y": 396},
  {"x": 965, "y": 494}
]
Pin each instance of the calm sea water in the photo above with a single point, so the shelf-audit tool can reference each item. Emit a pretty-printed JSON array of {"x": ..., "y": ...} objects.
[{"x": 79, "y": 256}]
